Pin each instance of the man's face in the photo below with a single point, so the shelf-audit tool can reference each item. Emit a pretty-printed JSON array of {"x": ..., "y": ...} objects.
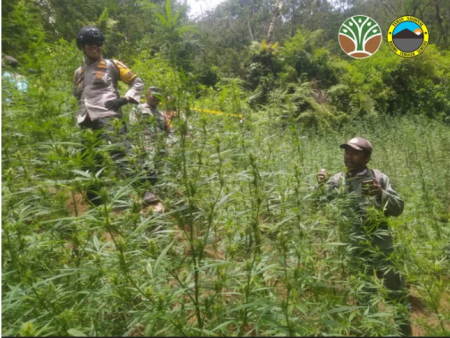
[
  {"x": 152, "y": 100},
  {"x": 355, "y": 159},
  {"x": 93, "y": 52}
]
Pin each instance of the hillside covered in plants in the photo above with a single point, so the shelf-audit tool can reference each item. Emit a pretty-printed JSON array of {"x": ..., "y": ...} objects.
[{"x": 244, "y": 243}]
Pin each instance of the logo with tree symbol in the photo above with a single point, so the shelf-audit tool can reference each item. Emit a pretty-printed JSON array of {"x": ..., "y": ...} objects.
[{"x": 360, "y": 36}]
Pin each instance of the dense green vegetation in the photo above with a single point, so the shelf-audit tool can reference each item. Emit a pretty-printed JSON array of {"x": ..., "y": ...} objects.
[{"x": 245, "y": 246}]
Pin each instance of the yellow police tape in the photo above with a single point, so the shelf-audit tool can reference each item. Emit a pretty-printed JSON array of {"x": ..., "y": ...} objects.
[
  {"x": 217, "y": 112},
  {"x": 209, "y": 111}
]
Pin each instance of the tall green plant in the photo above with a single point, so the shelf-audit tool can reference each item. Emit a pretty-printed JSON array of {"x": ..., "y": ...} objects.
[{"x": 173, "y": 30}]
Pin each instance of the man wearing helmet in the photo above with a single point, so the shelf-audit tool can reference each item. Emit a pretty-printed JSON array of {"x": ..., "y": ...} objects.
[
  {"x": 95, "y": 87},
  {"x": 95, "y": 82}
]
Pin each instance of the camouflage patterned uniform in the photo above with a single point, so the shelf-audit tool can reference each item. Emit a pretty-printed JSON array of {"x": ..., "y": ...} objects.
[
  {"x": 155, "y": 123},
  {"x": 156, "y": 130}
]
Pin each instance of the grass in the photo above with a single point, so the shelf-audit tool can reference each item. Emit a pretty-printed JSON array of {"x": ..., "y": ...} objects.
[{"x": 241, "y": 249}]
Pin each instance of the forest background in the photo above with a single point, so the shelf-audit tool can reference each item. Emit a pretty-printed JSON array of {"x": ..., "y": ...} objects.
[{"x": 242, "y": 247}]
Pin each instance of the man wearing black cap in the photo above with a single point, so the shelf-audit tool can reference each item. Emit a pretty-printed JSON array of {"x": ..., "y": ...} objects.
[{"x": 367, "y": 192}]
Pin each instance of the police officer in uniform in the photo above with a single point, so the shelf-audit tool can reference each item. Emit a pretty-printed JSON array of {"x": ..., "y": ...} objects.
[{"x": 95, "y": 87}]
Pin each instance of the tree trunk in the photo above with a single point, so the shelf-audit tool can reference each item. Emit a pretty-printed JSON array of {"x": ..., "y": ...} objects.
[
  {"x": 249, "y": 18},
  {"x": 275, "y": 14},
  {"x": 249, "y": 29},
  {"x": 293, "y": 18}
]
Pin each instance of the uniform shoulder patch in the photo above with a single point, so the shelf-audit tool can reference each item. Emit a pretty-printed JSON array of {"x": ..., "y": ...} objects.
[
  {"x": 126, "y": 75},
  {"x": 119, "y": 64},
  {"x": 102, "y": 64}
]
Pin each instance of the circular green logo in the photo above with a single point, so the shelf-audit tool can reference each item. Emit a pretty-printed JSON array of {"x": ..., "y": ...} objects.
[{"x": 360, "y": 36}]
